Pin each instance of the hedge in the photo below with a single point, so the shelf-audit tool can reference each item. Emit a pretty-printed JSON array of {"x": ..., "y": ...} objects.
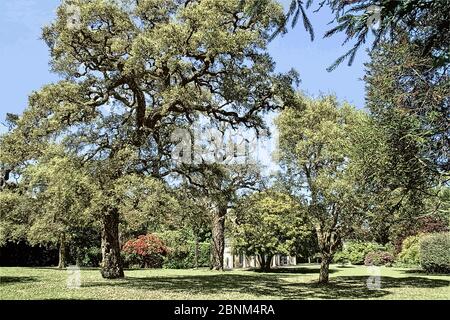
[
  {"x": 355, "y": 252},
  {"x": 435, "y": 252}
]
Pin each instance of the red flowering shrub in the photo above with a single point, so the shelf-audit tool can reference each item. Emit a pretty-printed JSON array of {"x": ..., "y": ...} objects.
[
  {"x": 424, "y": 225},
  {"x": 379, "y": 258},
  {"x": 147, "y": 251}
]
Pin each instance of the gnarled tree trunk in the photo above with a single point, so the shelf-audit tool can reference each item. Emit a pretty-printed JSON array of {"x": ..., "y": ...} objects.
[
  {"x": 218, "y": 237},
  {"x": 111, "y": 261},
  {"x": 328, "y": 243},
  {"x": 62, "y": 251},
  {"x": 325, "y": 269}
]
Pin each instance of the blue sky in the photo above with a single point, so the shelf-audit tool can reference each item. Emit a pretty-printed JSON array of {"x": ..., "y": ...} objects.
[{"x": 24, "y": 57}]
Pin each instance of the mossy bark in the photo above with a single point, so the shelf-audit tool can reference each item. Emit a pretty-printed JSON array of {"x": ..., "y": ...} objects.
[
  {"x": 218, "y": 238},
  {"x": 111, "y": 267}
]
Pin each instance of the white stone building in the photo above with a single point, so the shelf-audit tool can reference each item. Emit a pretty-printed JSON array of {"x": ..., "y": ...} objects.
[{"x": 237, "y": 261}]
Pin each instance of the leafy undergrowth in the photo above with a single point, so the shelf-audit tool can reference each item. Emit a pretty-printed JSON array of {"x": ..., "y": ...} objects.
[{"x": 300, "y": 282}]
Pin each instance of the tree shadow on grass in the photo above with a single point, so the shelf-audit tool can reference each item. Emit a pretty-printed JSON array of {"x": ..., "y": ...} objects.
[
  {"x": 15, "y": 280},
  {"x": 293, "y": 270},
  {"x": 345, "y": 266},
  {"x": 269, "y": 285},
  {"x": 43, "y": 268},
  {"x": 65, "y": 268},
  {"x": 356, "y": 287}
]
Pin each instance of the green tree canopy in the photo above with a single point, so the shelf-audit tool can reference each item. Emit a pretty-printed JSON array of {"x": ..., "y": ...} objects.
[
  {"x": 268, "y": 223},
  {"x": 319, "y": 150},
  {"x": 133, "y": 71}
]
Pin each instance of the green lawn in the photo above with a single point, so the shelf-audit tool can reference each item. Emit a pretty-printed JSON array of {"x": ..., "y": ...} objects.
[{"x": 291, "y": 283}]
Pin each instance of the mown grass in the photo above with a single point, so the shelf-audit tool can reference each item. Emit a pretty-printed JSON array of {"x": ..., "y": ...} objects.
[{"x": 349, "y": 282}]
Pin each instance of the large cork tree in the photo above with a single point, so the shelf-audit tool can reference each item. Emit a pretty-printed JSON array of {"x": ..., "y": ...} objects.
[{"x": 131, "y": 71}]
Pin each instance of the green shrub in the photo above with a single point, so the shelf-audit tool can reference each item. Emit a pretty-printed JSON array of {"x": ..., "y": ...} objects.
[
  {"x": 379, "y": 258},
  {"x": 184, "y": 257},
  {"x": 205, "y": 254},
  {"x": 435, "y": 252},
  {"x": 410, "y": 253},
  {"x": 389, "y": 247},
  {"x": 340, "y": 257},
  {"x": 181, "y": 253},
  {"x": 355, "y": 252},
  {"x": 131, "y": 260},
  {"x": 91, "y": 257}
]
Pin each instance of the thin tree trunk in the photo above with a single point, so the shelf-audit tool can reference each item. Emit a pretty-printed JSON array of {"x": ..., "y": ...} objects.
[
  {"x": 218, "y": 238},
  {"x": 324, "y": 269},
  {"x": 111, "y": 261},
  {"x": 197, "y": 250},
  {"x": 268, "y": 263},
  {"x": 260, "y": 261},
  {"x": 78, "y": 258},
  {"x": 62, "y": 251}
]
